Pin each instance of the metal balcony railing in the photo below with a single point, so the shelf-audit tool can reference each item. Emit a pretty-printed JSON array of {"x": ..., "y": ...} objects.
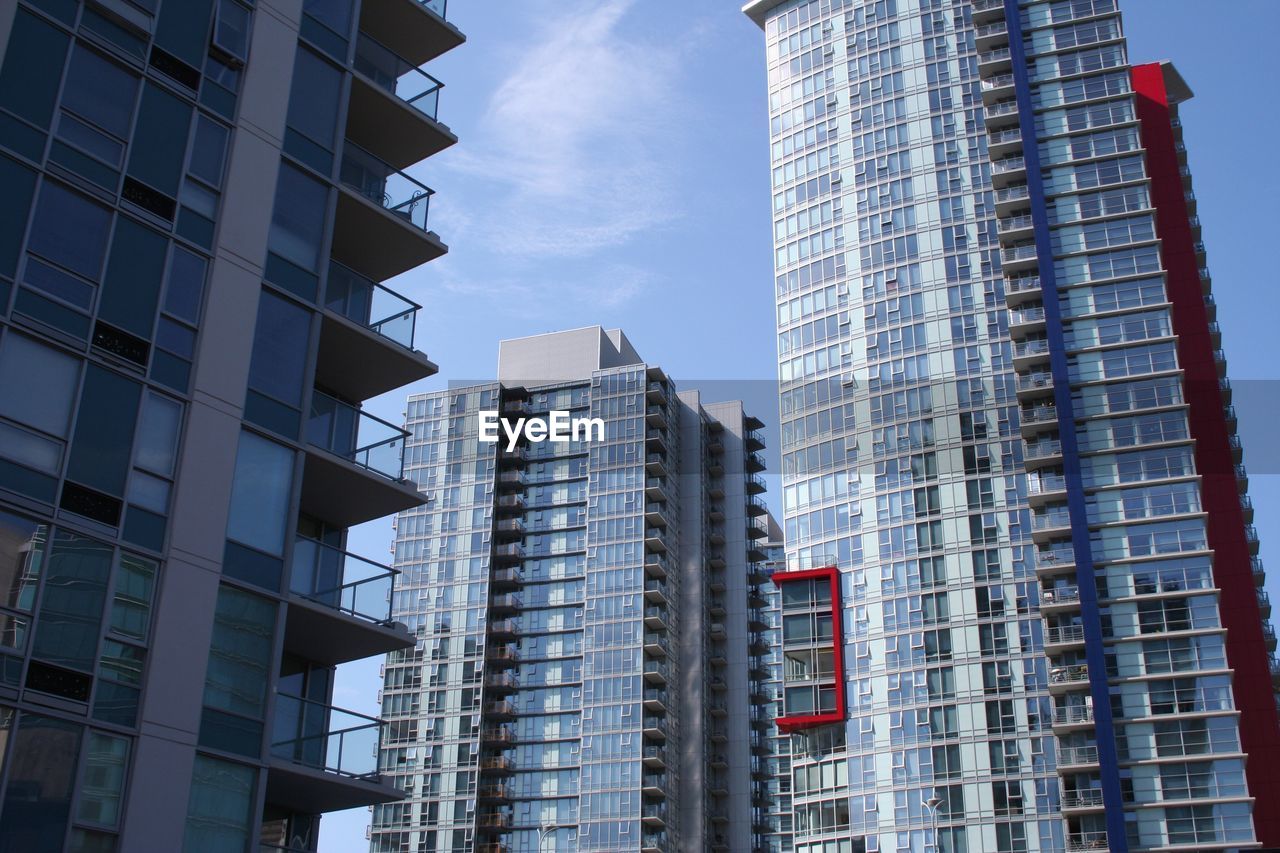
[
  {"x": 1087, "y": 841},
  {"x": 343, "y": 581},
  {"x": 325, "y": 737},
  {"x": 1064, "y": 634},
  {"x": 385, "y": 185},
  {"x": 1060, "y": 595},
  {"x": 994, "y": 55},
  {"x": 349, "y": 432},
  {"x": 398, "y": 76},
  {"x": 1069, "y": 674},
  {"x": 1067, "y": 714},
  {"x": 372, "y": 305}
]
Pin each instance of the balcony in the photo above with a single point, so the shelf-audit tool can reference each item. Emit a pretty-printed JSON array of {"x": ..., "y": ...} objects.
[
  {"x": 654, "y": 727},
  {"x": 755, "y": 484},
  {"x": 657, "y": 671},
  {"x": 994, "y": 61},
  {"x": 324, "y": 759},
  {"x": 1001, "y": 114},
  {"x": 1068, "y": 676},
  {"x": 655, "y": 700},
  {"x": 366, "y": 342},
  {"x": 1082, "y": 799},
  {"x": 1073, "y": 715},
  {"x": 656, "y": 644},
  {"x": 1064, "y": 636},
  {"x": 415, "y": 29},
  {"x": 654, "y": 756},
  {"x": 1020, "y": 256},
  {"x": 1035, "y": 384},
  {"x": 1024, "y": 320},
  {"x": 381, "y": 222},
  {"x": 500, "y": 709},
  {"x": 511, "y": 552},
  {"x": 1077, "y": 842},
  {"x": 1062, "y": 596},
  {"x": 1055, "y": 559},
  {"x": 654, "y": 814},
  {"x": 393, "y": 106},
  {"x": 997, "y": 87},
  {"x": 990, "y": 36},
  {"x": 340, "y": 606},
  {"x": 655, "y": 566},
  {"x": 504, "y": 628},
  {"x": 655, "y": 617},
  {"x": 357, "y": 476},
  {"x": 1042, "y": 452},
  {"x": 655, "y": 514},
  {"x": 654, "y": 540}
]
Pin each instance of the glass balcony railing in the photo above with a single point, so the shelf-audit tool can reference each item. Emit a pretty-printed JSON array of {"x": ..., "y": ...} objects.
[
  {"x": 398, "y": 76},
  {"x": 371, "y": 305},
  {"x": 436, "y": 6},
  {"x": 385, "y": 185},
  {"x": 343, "y": 581},
  {"x": 353, "y": 434},
  {"x": 326, "y": 738}
]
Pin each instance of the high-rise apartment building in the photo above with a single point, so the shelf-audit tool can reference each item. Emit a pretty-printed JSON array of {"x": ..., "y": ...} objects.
[
  {"x": 1016, "y": 525},
  {"x": 201, "y": 200},
  {"x": 582, "y": 678}
]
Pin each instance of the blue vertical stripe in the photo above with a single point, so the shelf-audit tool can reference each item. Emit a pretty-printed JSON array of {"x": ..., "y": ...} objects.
[{"x": 1104, "y": 728}]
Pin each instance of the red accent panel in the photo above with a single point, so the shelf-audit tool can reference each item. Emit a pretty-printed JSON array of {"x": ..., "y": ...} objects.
[
  {"x": 1232, "y": 568},
  {"x": 832, "y": 574}
]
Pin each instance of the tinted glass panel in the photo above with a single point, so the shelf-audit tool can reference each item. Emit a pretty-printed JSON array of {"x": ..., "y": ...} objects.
[
  {"x": 21, "y": 551},
  {"x": 220, "y": 808},
  {"x": 208, "y": 150},
  {"x": 37, "y": 799},
  {"x": 103, "y": 442},
  {"x": 70, "y": 230},
  {"x": 240, "y": 655},
  {"x": 160, "y": 140},
  {"x": 185, "y": 284},
  {"x": 280, "y": 345},
  {"x": 37, "y": 384},
  {"x": 32, "y": 69},
  {"x": 297, "y": 221},
  {"x": 100, "y": 91},
  {"x": 131, "y": 604},
  {"x": 19, "y": 185},
  {"x": 260, "y": 494},
  {"x": 131, "y": 290},
  {"x": 158, "y": 435},
  {"x": 75, "y": 591},
  {"x": 313, "y": 105},
  {"x": 102, "y": 783}
]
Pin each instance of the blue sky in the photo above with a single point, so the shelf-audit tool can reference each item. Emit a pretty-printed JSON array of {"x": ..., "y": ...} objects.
[{"x": 613, "y": 169}]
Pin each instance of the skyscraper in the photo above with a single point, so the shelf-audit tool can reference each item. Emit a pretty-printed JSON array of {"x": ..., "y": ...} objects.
[
  {"x": 582, "y": 678},
  {"x": 202, "y": 199},
  {"x": 999, "y": 378}
]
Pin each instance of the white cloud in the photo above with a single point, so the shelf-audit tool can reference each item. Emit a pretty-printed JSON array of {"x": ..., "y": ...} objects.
[{"x": 572, "y": 142}]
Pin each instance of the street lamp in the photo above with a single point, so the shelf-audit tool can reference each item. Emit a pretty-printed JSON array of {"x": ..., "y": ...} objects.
[
  {"x": 932, "y": 805},
  {"x": 544, "y": 832}
]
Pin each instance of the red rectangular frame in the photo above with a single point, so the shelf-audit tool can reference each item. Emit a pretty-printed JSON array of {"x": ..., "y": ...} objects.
[{"x": 832, "y": 574}]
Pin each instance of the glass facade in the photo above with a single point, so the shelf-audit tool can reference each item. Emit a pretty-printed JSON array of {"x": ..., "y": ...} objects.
[
  {"x": 175, "y": 488},
  {"x": 1003, "y": 422},
  {"x": 561, "y": 593}
]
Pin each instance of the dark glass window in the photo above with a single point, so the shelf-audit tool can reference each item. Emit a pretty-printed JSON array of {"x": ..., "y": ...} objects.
[
  {"x": 280, "y": 346},
  {"x": 220, "y": 808},
  {"x": 313, "y": 108},
  {"x": 42, "y": 772},
  {"x": 32, "y": 71},
  {"x": 100, "y": 91},
  {"x": 70, "y": 230},
  {"x": 158, "y": 150},
  {"x": 260, "y": 494},
  {"x": 240, "y": 652},
  {"x": 103, "y": 443},
  {"x": 71, "y": 605},
  {"x": 297, "y": 221},
  {"x": 185, "y": 284},
  {"x": 131, "y": 290},
  {"x": 209, "y": 150}
]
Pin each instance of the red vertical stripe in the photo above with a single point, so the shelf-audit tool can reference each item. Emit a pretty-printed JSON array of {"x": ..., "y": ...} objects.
[{"x": 1232, "y": 569}]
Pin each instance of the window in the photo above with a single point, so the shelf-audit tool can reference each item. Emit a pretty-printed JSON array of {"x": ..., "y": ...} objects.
[
  {"x": 231, "y": 32},
  {"x": 42, "y": 771},
  {"x": 313, "y": 110},
  {"x": 102, "y": 784},
  {"x": 220, "y": 809},
  {"x": 70, "y": 231},
  {"x": 75, "y": 590},
  {"x": 98, "y": 103},
  {"x": 38, "y": 385},
  {"x": 240, "y": 653},
  {"x": 297, "y": 222},
  {"x": 260, "y": 494}
]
